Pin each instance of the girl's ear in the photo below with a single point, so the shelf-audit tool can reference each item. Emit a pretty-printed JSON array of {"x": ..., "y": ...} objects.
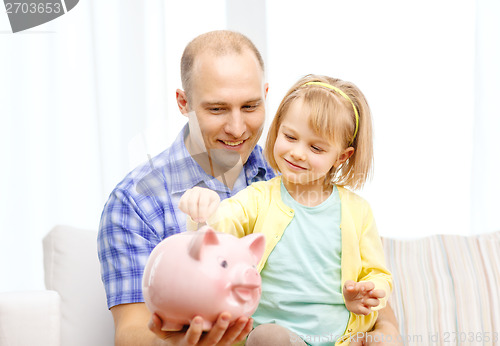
[{"x": 344, "y": 156}]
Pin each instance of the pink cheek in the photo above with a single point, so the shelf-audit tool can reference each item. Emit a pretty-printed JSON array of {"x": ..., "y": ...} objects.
[
  {"x": 279, "y": 148},
  {"x": 317, "y": 163}
]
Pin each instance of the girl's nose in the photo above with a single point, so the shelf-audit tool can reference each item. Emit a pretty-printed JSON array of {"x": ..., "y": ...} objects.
[{"x": 298, "y": 153}]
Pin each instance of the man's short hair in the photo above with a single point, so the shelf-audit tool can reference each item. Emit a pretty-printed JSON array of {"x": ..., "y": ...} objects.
[{"x": 219, "y": 43}]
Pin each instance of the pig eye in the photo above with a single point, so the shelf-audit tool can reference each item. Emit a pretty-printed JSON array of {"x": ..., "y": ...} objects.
[{"x": 223, "y": 264}]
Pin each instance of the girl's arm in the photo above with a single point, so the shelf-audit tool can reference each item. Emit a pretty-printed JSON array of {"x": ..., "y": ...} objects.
[
  {"x": 235, "y": 215},
  {"x": 374, "y": 269}
]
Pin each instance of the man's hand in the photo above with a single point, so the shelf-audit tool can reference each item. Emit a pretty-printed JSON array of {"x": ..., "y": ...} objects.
[
  {"x": 361, "y": 297},
  {"x": 131, "y": 329},
  {"x": 220, "y": 334},
  {"x": 199, "y": 203}
]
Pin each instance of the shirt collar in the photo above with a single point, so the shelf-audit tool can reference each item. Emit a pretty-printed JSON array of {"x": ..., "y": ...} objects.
[{"x": 256, "y": 167}]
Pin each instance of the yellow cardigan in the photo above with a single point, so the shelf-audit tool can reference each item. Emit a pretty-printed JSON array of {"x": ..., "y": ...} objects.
[{"x": 260, "y": 209}]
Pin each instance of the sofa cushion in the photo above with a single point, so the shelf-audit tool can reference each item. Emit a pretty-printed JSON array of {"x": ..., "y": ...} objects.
[
  {"x": 72, "y": 269},
  {"x": 446, "y": 288}
]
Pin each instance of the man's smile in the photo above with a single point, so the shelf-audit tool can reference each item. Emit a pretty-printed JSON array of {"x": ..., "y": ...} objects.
[{"x": 233, "y": 144}]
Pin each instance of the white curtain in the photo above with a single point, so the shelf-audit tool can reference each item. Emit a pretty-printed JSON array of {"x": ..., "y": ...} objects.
[
  {"x": 84, "y": 99},
  {"x": 88, "y": 96},
  {"x": 485, "y": 201}
]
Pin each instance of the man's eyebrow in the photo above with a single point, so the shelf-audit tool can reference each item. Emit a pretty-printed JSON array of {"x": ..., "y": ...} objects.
[
  {"x": 211, "y": 104},
  {"x": 221, "y": 103},
  {"x": 258, "y": 100},
  {"x": 254, "y": 101}
]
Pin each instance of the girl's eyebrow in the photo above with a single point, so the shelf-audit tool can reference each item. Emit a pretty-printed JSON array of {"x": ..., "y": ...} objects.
[
  {"x": 318, "y": 140},
  {"x": 287, "y": 128}
]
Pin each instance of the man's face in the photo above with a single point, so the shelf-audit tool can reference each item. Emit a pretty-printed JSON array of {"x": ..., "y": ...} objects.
[{"x": 228, "y": 96}]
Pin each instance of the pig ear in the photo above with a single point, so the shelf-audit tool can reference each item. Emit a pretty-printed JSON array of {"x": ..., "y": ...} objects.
[
  {"x": 256, "y": 244},
  {"x": 204, "y": 236}
]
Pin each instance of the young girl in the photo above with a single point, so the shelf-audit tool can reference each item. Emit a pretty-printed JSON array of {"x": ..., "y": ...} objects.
[{"x": 323, "y": 270}]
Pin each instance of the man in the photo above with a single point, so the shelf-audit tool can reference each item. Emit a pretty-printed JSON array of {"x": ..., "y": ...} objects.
[{"x": 224, "y": 99}]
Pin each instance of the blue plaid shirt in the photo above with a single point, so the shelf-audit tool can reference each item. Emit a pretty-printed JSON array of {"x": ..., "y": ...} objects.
[{"x": 142, "y": 211}]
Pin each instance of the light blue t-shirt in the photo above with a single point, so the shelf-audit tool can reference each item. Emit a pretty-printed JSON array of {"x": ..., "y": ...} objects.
[{"x": 301, "y": 280}]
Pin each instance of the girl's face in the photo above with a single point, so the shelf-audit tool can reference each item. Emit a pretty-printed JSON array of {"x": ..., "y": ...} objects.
[{"x": 303, "y": 157}]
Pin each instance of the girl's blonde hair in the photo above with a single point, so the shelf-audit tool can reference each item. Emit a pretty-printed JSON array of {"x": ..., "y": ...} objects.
[{"x": 332, "y": 116}]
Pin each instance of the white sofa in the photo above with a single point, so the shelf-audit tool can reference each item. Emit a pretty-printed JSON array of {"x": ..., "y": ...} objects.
[
  {"x": 446, "y": 289},
  {"x": 446, "y": 292},
  {"x": 72, "y": 311}
]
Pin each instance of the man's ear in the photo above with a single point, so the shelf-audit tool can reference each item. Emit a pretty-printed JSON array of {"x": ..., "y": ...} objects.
[
  {"x": 182, "y": 101},
  {"x": 266, "y": 89},
  {"x": 344, "y": 156}
]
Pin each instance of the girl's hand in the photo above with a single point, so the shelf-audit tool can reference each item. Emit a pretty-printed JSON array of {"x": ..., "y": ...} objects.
[
  {"x": 360, "y": 297},
  {"x": 199, "y": 203}
]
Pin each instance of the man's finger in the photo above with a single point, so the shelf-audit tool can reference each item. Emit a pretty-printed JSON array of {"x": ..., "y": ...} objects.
[
  {"x": 194, "y": 331},
  {"x": 154, "y": 324},
  {"x": 246, "y": 330},
  {"x": 236, "y": 332},
  {"x": 216, "y": 333}
]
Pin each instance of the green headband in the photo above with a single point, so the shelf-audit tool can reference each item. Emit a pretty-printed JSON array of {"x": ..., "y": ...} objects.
[{"x": 346, "y": 97}]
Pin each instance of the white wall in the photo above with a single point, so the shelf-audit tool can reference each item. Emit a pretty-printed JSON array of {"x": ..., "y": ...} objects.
[{"x": 414, "y": 61}]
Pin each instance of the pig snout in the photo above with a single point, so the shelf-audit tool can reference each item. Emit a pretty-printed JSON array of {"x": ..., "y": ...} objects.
[{"x": 248, "y": 285}]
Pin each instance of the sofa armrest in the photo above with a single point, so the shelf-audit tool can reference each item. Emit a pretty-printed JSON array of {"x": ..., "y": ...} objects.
[
  {"x": 72, "y": 270},
  {"x": 30, "y": 318}
]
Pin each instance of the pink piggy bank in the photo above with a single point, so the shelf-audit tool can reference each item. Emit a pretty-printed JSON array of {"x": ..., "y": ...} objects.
[{"x": 203, "y": 273}]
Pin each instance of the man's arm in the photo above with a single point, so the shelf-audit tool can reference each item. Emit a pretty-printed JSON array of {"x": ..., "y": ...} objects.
[
  {"x": 131, "y": 325},
  {"x": 384, "y": 332},
  {"x": 387, "y": 320},
  {"x": 135, "y": 326}
]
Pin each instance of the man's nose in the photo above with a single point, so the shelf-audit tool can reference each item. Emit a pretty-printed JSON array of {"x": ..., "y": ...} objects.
[{"x": 236, "y": 125}]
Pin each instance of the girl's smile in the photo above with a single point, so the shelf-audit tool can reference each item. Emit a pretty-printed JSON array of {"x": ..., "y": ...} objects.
[{"x": 294, "y": 166}]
